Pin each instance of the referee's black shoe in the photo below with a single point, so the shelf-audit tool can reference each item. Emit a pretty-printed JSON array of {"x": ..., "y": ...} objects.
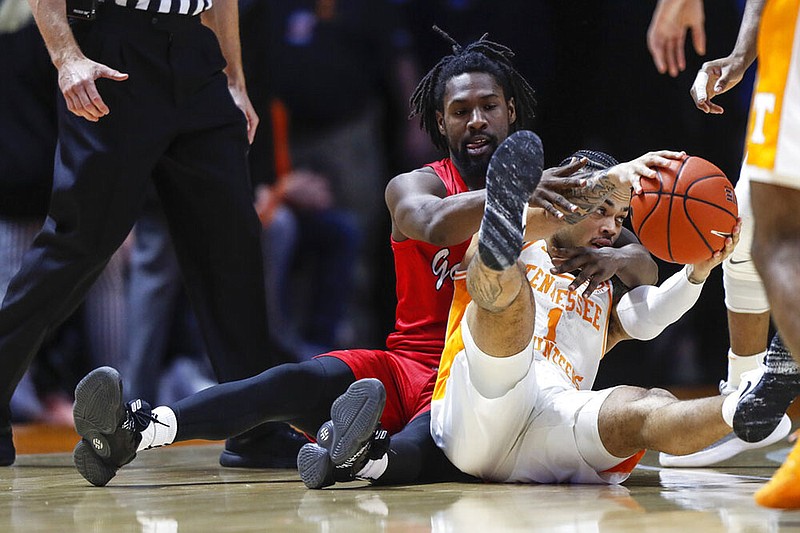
[{"x": 271, "y": 445}]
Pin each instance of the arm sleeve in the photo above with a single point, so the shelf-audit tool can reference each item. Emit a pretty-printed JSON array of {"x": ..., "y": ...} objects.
[{"x": 646, "y": 311}]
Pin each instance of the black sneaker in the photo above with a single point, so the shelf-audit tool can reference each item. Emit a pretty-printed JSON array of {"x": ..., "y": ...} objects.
[
  {"x": 273, "y": 445},
  {"x": 761, "y": 406},
  {"x": 110, "y": 429},
  {"x": 350, "y": 439},
  {"x": 514, "y": 172}
]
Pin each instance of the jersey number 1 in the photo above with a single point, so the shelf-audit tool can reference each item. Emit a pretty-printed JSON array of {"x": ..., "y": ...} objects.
[{"x": 553, "y": 316}]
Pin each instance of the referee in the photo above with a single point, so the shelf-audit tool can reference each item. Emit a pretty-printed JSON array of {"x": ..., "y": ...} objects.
[{"x": 149, "y": 92}]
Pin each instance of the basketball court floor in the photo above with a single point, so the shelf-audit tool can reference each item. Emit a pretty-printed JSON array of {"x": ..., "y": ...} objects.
[{"x": 182, "y": 489}]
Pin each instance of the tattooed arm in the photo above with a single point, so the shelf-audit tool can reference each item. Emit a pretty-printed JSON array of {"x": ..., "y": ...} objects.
[{"x": 600, "y": 184}]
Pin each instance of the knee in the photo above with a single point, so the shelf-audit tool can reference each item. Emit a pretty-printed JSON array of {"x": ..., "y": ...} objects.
[
  {"x": 625, "y": 420},
  {"x": 659, "y": 394},
  {"x": 638, "y": 396}
]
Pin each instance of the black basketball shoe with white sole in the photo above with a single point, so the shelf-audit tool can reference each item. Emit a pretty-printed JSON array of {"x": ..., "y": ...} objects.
[{"x": 350, "y": 439}]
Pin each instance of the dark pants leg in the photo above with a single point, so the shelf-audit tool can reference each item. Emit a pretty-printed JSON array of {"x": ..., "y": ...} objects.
[
  {"x": 299, "y": 393},
  {"x": 97, "y": 194},
  {"x": 155, "y": 286},
  {"x": 415, "y": 458}
]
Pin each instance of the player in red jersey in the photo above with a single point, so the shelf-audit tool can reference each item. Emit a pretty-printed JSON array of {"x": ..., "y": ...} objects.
[{"x": 469, "y": 103}]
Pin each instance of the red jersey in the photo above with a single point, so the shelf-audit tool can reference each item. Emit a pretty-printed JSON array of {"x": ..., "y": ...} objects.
[{"x": 425, "y": 285}]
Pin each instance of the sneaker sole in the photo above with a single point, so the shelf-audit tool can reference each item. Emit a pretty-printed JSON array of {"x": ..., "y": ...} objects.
[
  {"x": 355, "y": 416},
  {"x": 90, "y": 466},
  {"x": 514, "y": 172},
  {"x": 315, "y": 466},
  {"x": 94, "y": 394},
  {"x": 723, "y": 450}
]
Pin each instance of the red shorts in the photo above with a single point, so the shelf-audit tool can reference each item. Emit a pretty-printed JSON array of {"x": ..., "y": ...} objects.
[{"x": 408, "y": 383}]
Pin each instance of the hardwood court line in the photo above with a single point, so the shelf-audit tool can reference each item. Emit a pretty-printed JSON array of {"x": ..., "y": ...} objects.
[{"x": 700, "y": 472}]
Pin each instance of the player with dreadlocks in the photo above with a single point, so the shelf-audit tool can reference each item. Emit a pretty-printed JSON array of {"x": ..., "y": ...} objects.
[{"x": 469, "y": 103}]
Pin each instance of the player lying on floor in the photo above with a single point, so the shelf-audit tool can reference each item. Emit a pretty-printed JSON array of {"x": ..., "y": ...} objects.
[{"x": 513, "y": 401}]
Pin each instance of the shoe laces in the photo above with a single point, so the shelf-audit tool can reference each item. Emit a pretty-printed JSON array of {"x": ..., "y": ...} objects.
[
  {"x": 374, "y": 448},
  {"x": 138, "y": 416}
]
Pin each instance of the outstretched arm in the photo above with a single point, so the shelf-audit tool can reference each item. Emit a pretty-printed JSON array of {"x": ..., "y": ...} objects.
[
  {"x": 76, "y": 72},
  {"x": 644, "y": 312},
  {"x": 718, "y": 76},
  {"x": 421, "y": 210}
]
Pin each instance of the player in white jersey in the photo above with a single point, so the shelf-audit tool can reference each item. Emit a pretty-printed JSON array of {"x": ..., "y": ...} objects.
[
  {"x": 513, "y": 402},
  {"x": 771, "y": 31}
]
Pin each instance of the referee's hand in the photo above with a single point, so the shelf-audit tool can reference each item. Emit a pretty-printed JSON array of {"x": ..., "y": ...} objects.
[{"x": 76, "y": 79}]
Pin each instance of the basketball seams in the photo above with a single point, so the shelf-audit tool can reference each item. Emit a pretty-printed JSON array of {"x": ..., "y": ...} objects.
[
  {"x": 690, "y": 215},
  {"x": 671, "y": 201},
  {"x": 687, "y": 195},
  {"x": 651, "y": 211},
  {"x": 694, "y": 225}
]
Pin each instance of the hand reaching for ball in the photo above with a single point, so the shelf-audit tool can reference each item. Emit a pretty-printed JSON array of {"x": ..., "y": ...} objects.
[
  {"x": 698, "y": 272},
  {"x": 631, "y": 173},
  {"x": 685, "y": 214},
  {"x": 617, "y": 180}
]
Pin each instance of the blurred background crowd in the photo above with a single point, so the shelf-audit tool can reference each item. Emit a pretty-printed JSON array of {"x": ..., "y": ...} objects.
[{"x": 330, "y": 80}]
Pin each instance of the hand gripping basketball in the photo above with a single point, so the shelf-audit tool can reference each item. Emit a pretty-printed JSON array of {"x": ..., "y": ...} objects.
[{"x": 686, "y": 214}]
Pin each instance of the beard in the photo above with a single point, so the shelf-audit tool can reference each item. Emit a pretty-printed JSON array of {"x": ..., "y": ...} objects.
[{"x": 470, "y": 166}]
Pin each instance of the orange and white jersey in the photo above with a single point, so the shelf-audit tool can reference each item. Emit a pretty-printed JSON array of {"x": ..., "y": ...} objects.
[
  {"x": 773, "y": 133},
  {"x": 531, "y": 416},
  {"x": 570, "y": 331}
]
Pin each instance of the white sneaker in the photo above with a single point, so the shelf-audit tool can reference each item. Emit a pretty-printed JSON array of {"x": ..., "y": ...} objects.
[{"x": 724, "y": 448}]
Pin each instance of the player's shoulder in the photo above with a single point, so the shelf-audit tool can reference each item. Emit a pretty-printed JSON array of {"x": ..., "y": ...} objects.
[
  {"x": 421, "y": 172},
  {"x": 422, "y": 180}
]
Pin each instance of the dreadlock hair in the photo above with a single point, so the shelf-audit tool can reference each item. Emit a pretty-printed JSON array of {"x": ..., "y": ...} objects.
[{"x": 481, "y": 56}]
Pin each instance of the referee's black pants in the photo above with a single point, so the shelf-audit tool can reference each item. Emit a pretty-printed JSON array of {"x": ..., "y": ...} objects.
[{"x": 174, "y": 121}]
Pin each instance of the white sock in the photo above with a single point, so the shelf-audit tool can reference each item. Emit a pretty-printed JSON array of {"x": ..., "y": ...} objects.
[
  {"x": 738, "y": 364},
  {"x": 374, "y": 468},
  {"x": 161, "y": 431}
]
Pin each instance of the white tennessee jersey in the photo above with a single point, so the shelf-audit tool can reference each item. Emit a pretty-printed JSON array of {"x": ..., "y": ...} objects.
[{"x": 570, "y": 330}]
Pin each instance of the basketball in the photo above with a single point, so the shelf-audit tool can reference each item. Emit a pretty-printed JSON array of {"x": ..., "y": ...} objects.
[{"x": 685, "y": 215}]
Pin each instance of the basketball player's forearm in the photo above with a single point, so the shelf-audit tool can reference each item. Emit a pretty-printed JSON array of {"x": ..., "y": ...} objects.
[
  {"x": 746, "y": 41},
  {"x": 446, "y": 221}
]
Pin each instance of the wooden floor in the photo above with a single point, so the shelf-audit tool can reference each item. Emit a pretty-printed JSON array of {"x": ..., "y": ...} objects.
[{"x": 183, "y": 489}]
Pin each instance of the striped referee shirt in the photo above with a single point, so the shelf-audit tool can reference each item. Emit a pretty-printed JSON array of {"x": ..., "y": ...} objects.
[{"x": 179, "y": 7}]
